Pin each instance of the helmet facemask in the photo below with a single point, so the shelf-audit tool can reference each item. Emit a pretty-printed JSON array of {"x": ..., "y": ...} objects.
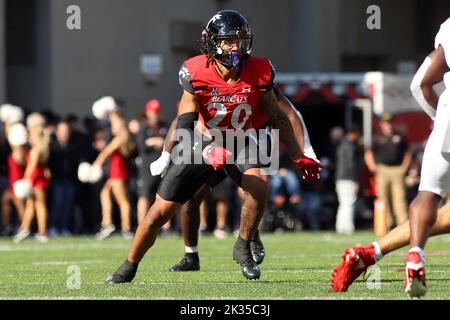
[{"x": 230, "y": 58}]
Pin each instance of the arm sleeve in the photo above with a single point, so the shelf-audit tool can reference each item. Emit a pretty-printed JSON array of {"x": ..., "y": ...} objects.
[
  {"x": 416, "y": 89},
  {"x": 164, "y": 129},
  {"x": 187, "y": 120}
]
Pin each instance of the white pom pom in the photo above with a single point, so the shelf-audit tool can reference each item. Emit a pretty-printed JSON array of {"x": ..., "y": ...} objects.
[
  {"x": 110, "y": 104},
  {"x": 15, "y": 115},
  {"x": 17, "y": 135},
  {"x": 4, "y": 112},
  {"x": 101, "y": 107},
  {"x": 95, "y": 174},
  {"x": 10, "y": 113},
  {"x": 84, "y": 171},
  {"x": 98, "y": 110},
  {"x": 22, "y": 188}
]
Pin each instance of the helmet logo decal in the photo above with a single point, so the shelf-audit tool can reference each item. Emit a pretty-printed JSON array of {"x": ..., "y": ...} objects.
[{"x": 216, "y": 17}]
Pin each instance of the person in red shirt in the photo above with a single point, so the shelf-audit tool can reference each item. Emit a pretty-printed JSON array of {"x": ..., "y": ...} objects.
[{"x": 227, "y": 90}]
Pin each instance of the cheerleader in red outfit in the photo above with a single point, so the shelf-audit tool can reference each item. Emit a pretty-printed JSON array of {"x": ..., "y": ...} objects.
[
  {"x": 17, "y": 139},
  {"x": 116, "y": 151},
  {"x": 38, "y": 175}
]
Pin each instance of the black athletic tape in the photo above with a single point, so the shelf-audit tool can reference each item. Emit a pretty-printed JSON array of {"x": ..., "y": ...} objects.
[{"x": 187, "y": 120}]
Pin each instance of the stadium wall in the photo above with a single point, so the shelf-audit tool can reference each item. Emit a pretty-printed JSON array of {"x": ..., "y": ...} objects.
[{"x": 75, "y": 67}]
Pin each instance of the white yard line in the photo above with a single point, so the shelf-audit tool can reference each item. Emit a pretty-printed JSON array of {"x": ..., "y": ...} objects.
[{"x": 66, "y": 262}]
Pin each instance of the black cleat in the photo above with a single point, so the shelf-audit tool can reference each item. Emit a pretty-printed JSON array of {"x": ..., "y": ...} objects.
[
  {"x": 243, "y": 256},
  {"x": 257, "y": 249},
  {"x": 125, "y": 273},
  {"x": 190, "y": 262},
  {"x": 250, "y": 270}
]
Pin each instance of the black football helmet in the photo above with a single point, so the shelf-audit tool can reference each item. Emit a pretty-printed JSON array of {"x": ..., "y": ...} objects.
[{"x": 227, "y": 25}]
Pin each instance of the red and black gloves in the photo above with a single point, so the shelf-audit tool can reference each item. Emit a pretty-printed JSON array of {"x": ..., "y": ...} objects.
[
  {"x": 310, "y": 168},
  {"x": 215, "y": 156}
]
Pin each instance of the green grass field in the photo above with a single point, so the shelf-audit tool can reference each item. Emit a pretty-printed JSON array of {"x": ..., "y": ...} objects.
[{"x": 297, "y": 266}]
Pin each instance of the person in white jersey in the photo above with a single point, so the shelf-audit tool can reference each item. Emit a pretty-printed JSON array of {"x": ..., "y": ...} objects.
[
  {"x": 435, "y": 171},
  {"x": 434, "y": 184}
]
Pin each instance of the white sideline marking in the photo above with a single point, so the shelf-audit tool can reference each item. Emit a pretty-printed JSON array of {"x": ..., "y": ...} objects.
[
  {"x": 63, "y": 262},
  {"x": 176, "y": 298},
  {"x": 157, "y": 298},
  {"x": 62, "y": 247},
  {"x": 76, "y": 298},
  {"x": 342, "y": 298},
  {"x": 231, "y": 271},
  {"x": 326, "y": 255}
]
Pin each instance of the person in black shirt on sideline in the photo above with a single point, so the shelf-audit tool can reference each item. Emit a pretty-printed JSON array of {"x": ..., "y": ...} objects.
[{"x": 150, "y": 142}]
